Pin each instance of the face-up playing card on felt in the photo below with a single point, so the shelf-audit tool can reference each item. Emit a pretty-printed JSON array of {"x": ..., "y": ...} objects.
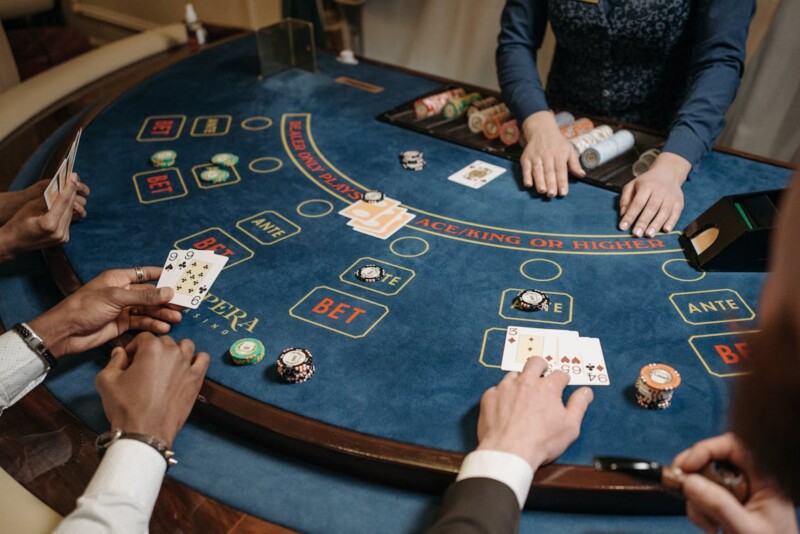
[
  {"x": 582, "y": 359},
  {"x": 364, "y": 211},
  {"x": 523, "y": 343},
  {"x": 54, "y": 187},
  {"x": 594, "y": 363},
  {"x": 476, "y": 174},
  {"x": 385, "y": 226},
  {"x": 377, "y": 219}
]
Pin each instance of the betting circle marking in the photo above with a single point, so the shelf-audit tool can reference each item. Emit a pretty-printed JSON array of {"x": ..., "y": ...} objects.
[
  {"x": 426, "y": 246},
  {"x": 261, "y": 123},
  {"x": 253, "y": 163},
  {"x": 559, "y": 270},
  {"x": 679, "y": 279},
  {"x": 313, "y": 201}
]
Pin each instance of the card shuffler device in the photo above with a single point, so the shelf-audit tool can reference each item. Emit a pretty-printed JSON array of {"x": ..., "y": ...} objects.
[{"x": 733, "y": 234}]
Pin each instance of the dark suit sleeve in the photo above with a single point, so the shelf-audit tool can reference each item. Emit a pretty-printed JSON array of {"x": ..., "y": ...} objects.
[{"x": 478, "y": 505}]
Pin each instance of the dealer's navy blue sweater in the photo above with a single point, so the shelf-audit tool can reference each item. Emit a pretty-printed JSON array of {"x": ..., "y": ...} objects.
[{"x": 668, "y": 64}]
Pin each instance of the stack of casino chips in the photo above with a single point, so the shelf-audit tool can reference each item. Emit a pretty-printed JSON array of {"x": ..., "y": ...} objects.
[
  {"x": 589, "y": 139},
  {"x": 509, "y": 132},
  {"x": 412, "y": 160},
  {"x": 247, "y": 351},
  {"x": 215, "y": 175},
  {"x": 370, "y": 273},
  {"x": 493, "y": 125},
  {"x": 576, "y": 128},
  {"x": 477, "y": 120},
  {"x": 480, "y": 105},
  {"x": 164, "y": 158},
  {"x": 432, "y": 105},
  {"x": 655, "y": 386},
  {"x": 373, "y": 196},
  {"x": 533, "y": 300},
  {"x": 563, "y": 118},
  {"x": 295, "y": 365},
  {"x": 225, "y": 159},
  {"x": 456, "y": 107},
  {"x": 605, "y": 151}
]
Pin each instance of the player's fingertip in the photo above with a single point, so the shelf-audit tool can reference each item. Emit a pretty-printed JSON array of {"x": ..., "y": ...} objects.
[
  {"x": 624, "y": 225},
  {"x": 165, "y": 292},
  {"x": 637, "y": 232}
]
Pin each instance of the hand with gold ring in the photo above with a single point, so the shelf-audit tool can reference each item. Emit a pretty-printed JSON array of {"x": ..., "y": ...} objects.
[
  {"x": 548, "y": 156},
  {"x": 103, "y": 309}
]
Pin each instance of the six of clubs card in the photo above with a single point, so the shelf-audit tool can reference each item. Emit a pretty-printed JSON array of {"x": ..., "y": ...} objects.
[{"x": 190, "y": 273}]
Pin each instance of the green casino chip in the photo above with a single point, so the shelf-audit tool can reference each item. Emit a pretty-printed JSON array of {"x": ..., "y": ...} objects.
[
  {"x": 164, "y": 158},
  {"x": 247, "y": 351},
  {"x": 214, "y": 175},
  {"x": 225, "y": 158}
]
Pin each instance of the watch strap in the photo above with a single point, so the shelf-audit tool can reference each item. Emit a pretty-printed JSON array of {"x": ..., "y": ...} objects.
[
  {"x": 35, "y": 343},
  {"x": 106, "y": 439}
]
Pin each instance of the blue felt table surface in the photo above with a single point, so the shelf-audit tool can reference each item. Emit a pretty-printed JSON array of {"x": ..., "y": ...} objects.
[{"x": 435, "y": 326}]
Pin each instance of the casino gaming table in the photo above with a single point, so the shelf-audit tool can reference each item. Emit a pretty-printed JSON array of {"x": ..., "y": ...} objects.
[{"x": 378, "y": 432}]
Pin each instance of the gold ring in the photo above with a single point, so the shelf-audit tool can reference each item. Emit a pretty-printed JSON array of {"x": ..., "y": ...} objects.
[{"x": 139, "y": 274}]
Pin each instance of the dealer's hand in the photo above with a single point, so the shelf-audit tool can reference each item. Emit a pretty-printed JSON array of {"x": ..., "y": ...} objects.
[
  {"x": 547, "y": 156},
  {"x": 105, "y": 308},
  {"x": 654, "y": 200},
  {"x": 711, "y": 507},
  {"x": 150, "y": 386},
  {"x": 524, "y": 414}
]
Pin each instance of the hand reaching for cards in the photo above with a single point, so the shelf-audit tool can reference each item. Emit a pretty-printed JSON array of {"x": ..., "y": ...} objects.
[
  {"x": 105, "y": 308},
  {"x": 34, "y": 227},
  {"x": 150, "y": 386},
  {"x": 548, "y": 156},
  {"x": 524, "y": 414},
  {"x": 711, "y": 507}
]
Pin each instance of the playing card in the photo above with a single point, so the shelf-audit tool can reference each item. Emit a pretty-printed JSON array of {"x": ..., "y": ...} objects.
[
  {"x": 170, "y": 270},
  {"x": 594, "y": 363},
  {"x": 195, "y": 280},
  {"x": 73, "y": 152},
  {"x": 385, "y": 226},
  {"x": 54, "y": 187},
  {"x": 377, "y": 219},
  {"x": 476, "y": 174},
  {"x": 364, "y": 211},
  {"x": 523, "y": 343},
  {"x": 582, "y": 359}
]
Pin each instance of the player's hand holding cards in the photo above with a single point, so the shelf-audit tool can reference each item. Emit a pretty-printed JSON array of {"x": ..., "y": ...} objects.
[
  {"x": 563, "y": 350},
  {"x": 190, "y": 273},
  {"x": 59, "y": 181}
]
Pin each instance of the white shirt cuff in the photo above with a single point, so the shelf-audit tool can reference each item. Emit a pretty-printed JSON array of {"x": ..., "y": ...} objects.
[
  {"x": 122, "y": 493},
  {"x": 504, "y": 467},
  {"x": 21, "y": 369}
]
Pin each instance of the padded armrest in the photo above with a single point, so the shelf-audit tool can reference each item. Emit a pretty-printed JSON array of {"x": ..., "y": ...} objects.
[
  {"x": 22, "y": 102},
  {"x": 11, "y": 9},
  {"x": 9, "y": 77}
]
